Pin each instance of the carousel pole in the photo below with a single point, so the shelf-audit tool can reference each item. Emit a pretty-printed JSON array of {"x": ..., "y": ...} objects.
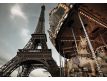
[
  {"x": 90, "y": 45},
  {"x": 62, "y": 69},
  {"x": 60, "y": 64},
  {"x": 75, "y": 40},
  {"x": 64, "y": 65},
  {"x": 60, "y": 60}
]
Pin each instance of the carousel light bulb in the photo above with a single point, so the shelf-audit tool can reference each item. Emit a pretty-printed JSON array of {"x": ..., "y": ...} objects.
[
  {"x": 71, "y": 6},
  {"x": 93, "y": 19}
]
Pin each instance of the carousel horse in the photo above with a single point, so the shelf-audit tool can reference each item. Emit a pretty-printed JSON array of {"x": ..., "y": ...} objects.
[
  {"x": 102, "y": 53},
  {"x": 84, "y": 58},
  {"x": 102, "y": 57}
]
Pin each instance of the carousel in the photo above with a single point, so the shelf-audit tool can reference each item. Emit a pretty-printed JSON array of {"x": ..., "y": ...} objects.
[{"x": 79, "y": 34}]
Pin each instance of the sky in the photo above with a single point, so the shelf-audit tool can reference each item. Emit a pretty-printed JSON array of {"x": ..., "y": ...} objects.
[{"x": 17, "y": 23}]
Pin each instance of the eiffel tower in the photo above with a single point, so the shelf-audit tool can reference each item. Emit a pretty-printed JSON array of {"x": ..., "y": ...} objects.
[{"x": 34, "y": 55}]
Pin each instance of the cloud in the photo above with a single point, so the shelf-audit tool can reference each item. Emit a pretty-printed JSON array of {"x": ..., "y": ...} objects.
[
  {"x": 18, "y": 16},
  {"x": 25, "y": 34},
  {"x": 16, "y": 10},
  {"x": 20, "y": 21}
]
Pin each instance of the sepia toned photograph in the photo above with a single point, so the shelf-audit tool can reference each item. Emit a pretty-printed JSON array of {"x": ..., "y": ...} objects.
[{"x": 53, "y": 40}]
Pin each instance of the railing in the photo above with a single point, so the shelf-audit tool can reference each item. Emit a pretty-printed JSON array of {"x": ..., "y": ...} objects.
[
  {"x": 39, "y": 36},
  {"x": 35, "y": 50},
  {"x": 33, "y": 55},
  {"x": 37, "y": 53},
  {"x": 92, "y": 17}
]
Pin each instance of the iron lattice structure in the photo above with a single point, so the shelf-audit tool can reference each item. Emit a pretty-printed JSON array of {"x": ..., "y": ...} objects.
[{"x": 31, "y": 57}]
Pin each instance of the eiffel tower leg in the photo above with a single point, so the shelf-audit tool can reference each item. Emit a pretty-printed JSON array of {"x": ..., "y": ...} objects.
[
  {"x": 9, "y": 67},
  {"x": 26, "y": 69}
]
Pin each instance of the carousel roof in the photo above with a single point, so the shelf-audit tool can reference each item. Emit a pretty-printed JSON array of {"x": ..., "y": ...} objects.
[{"x": 64, "y": 18}]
